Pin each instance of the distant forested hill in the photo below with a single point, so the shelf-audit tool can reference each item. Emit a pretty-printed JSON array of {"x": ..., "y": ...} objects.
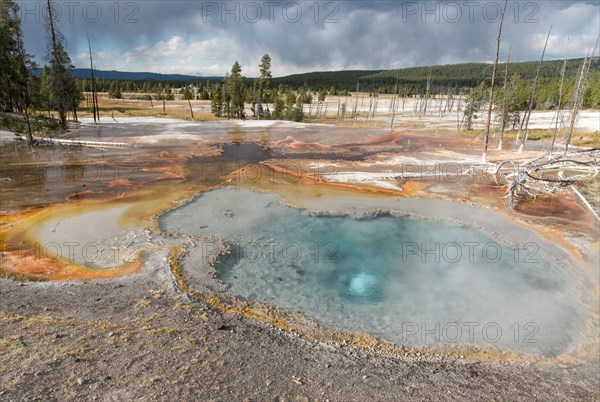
[
  {"x": 473, "y": 73},
  {"x": 324, "y": 79},
  {"x": 464, "y": 75},
  {"x": 84, "y": 73}
]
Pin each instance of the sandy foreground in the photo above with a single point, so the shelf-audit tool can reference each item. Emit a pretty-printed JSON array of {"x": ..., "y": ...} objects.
[{"x": 144, "y": 337}]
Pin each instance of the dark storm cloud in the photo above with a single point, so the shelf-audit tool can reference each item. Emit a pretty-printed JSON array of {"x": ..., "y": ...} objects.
[{"x": 205, "y": 37}]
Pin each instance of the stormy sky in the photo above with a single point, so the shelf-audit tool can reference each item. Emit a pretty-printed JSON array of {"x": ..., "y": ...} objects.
[{"x": 206, "y": 37}]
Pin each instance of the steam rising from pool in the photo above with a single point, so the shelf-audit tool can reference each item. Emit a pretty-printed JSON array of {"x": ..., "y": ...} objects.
[{"x": 407, "y": 280}]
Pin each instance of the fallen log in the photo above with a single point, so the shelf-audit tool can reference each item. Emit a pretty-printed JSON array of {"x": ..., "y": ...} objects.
[
  {"x": 536, "y": 176},
  {"x": 78, "y": 143}
]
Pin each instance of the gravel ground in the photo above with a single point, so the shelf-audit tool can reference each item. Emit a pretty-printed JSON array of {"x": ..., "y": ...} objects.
[{"x": 140, "y": 338}]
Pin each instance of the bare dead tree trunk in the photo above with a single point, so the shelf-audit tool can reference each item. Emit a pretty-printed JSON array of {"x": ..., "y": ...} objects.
[
  {"x": 505, "y": 102},
  {"x": 458, "y": 106},
  {"x": 427, "y": 89},
  {"x": 59, "y": 85},
  {"x": 21, "y": 49},
  {"x": 393, "y": 112},
  {"x": 486, "y": 140},
  {"x": 162, "y": 92},
  {"x": 93, "y": 81},
  {"x": 533, "y": 95},
  {"x": 521, "y": 124},
  {"x": 575, "y": 106},
  {"x": 97, "y": 103},
  {"x": 259, "y": 105},
  {"x": 578, "y": 97},
  {"x": 560, "y": 94},
  {"x": 191, "y": 110},
  {"x": 375, "y": 104},
  {"x": 75, "y": 112},
  {"x": 344, "y": 110}
]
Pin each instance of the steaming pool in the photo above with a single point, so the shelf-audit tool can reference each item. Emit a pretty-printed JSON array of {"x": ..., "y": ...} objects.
[{"x": 409, "y": 280}]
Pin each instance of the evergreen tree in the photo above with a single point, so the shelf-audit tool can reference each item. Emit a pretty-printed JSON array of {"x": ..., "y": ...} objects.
[
  {"x": 298, "y": 112},
  {"x": 515, "y": 96},
  {"x": 186, "y": 93},
  {"x": 204, "y": 95},
  {"x": 60, "y": 66},
  {"x": 278, "y": 106},
  {"x": 290, "y": 105},
  {"x": 169, "y": 94},
  {"x": 216, "y": 102},
  {"x": 158, "y": 92},
  {"x": 74, "y": 96},
  {"x": 322, "y": 95},
  {"x": 474, "y": 101},
  {"x": 235, "y": 89},
  {"x": 115, "y": 90},
  {"x": 226, "y": 96},
  {"x": 264, "y": 81},
  {"x": 45, "y": 90},
  {"x": 14, "y": 62}
]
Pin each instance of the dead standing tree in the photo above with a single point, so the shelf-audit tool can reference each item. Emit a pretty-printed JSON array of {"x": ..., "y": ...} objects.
[
  {"x": 533, "y": 99},
  {"x": 486, "y": 139},
  {"x": 393, "y": 102},
  {"x": 162, "y": 92},
  {"x": 423, "y": 111},
  {"x": 95, "y": 110},
  {"x": 58, "y": 59},
  {"x": 504, "y": 102},
  {"x": 577, "y": 99},
  {"x": 560, "y": 95}
]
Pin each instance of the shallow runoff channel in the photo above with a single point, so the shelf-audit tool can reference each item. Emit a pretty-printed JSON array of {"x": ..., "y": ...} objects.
[{"x": 407, "y": 279}]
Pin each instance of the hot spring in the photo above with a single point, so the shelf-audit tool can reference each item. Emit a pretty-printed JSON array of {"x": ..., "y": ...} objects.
[{"x": 414, "y": 281}]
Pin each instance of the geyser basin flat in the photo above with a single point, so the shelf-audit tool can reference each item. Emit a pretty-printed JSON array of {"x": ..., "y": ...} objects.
[{"x": 407, "y": 280}]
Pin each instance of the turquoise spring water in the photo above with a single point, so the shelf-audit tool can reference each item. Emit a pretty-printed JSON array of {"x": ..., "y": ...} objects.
[{"x": 407, "y": 280}]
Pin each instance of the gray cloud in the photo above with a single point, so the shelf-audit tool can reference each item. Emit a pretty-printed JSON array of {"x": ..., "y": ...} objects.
[{"x": 203, "y": 37}]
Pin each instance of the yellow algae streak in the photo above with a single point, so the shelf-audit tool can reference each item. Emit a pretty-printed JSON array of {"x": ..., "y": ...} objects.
[
  {"x": 37, "y": 244},
  {"x": 25, "y": 264}
]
